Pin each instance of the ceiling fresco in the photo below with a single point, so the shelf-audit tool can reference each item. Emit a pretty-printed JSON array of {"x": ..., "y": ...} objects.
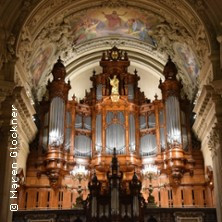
[
  {"x": 40, "y": 62},
  {"x": 187, "y": 61},
  {"x": 120, "y": 22},
  {"x": 153, "y": 32}
]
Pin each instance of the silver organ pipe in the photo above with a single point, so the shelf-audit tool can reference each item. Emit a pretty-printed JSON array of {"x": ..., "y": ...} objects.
[
  {"x": 56, "y": 124},
  {"x": 98, "y": 144},
  {"x": 173, "y": 120},
  {"x": 148, "y": 145},
  {"x": 132, "y": 133},
  {"x": 82, "y": 145},
  {"x": 45, "y": 132},
  {"x": 115, "y": 137}
]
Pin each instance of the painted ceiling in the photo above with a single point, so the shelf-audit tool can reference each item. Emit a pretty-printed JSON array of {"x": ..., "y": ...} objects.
[{"x": 71, "y": 34}]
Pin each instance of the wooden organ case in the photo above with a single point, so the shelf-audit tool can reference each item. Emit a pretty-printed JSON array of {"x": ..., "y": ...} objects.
[{"x": 82, "y": 135}]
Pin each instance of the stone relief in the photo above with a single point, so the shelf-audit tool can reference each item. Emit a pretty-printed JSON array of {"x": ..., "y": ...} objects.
[
  {"x": 167, "y": 34},
  {"x": 183, "y": 10},
  {"x": 25, "y": 48},
  {"x": 7, "y": 46},
  {"x": 214, "y": 139}
]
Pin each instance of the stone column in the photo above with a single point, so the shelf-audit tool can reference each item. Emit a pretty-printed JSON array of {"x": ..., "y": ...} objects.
[
  {"x": 215, "y": 145},
  {"x": 6, "y": 160},
  {"x": 26, "y": 130},
  {"x": 6, "y": 101}
]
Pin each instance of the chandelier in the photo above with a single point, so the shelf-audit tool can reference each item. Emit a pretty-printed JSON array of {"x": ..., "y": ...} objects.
[
  {"x": 149, "y": 172},
  {"x": 80, "y": 173}
]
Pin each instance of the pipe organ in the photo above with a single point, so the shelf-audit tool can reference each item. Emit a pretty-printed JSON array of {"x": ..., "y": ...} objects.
[{"x": 84, "y": 134}]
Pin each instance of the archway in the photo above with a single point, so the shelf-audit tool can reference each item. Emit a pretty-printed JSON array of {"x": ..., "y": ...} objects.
[{"x": 41, "y": 32}]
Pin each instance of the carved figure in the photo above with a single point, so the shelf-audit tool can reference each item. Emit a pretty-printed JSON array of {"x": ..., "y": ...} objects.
[{"x": 115, "y": 85}]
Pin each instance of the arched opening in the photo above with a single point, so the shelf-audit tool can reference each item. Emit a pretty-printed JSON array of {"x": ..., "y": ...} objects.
[{"x": 80, "y": 31}]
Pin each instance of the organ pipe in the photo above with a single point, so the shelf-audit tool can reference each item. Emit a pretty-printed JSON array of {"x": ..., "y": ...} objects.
[
  {"x": 56, "y": 123},
  {"x": 173, "y": 124}
]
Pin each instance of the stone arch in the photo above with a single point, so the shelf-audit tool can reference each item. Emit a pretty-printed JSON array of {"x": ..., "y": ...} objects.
[
  {"x": 17, "y": 14},
  {"x": 36, "y": 32}
]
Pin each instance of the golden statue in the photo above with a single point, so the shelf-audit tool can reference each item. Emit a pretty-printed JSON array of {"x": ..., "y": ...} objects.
[
  {"x": 115, "y": 86},
  {"x": 115, "y": 89}
]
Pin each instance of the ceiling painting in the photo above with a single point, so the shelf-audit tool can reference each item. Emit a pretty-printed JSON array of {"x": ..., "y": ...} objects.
[
  {"x": 74, "y": 32},
  {"x": 109, "y": 22},
  {"x": 40, "y": 62},
  {"x": 187, "y": 60}
]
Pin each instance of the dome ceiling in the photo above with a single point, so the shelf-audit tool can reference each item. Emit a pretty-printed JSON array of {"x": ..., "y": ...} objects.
[{"x": 75, "y": 30}]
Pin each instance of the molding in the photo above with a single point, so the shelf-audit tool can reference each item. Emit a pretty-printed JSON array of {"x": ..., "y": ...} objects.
[
  {"x": 25, "y": 111},
  {"x": 203, "y": 99},
  {"x": 205, "y": 76},
  {"x": 205, "y": 112}
]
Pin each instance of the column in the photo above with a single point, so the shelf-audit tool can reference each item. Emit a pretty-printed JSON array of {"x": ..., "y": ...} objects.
[
  {"x": 6, "y": 161},
  {"x": 215, "y": 146}
]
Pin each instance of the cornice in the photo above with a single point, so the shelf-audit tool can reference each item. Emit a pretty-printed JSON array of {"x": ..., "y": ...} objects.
[
  {"x": 208, "y": 111},
  {"x": 203, "y": 99},
  {"x": 205, "y": 114},
  {"x": 25, "y": 113}
]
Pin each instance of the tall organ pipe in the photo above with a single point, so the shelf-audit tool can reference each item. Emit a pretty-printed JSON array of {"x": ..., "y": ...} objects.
[
  {"x": 173, "y": 120},
  {"x": 171, "y": 88},
  {"x": 56, "y": 122}
]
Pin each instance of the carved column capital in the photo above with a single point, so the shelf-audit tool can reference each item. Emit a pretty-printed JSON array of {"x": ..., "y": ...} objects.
[{"x": 214, "y": 139}]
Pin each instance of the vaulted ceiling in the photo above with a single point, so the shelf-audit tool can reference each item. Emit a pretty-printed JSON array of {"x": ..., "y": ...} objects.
[{"x": 79, "y": 31}]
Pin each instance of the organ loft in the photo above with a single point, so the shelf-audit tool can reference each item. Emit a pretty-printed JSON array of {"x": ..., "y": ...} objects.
[{"x": 115, "y": 155}]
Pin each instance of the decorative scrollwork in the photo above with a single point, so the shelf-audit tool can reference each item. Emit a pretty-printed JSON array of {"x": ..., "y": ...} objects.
[{"x": 214, "y": 139}]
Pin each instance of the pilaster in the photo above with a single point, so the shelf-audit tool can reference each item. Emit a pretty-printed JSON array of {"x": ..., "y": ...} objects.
[
  {"x": 25, "y": 131},
  {"x": 215, "y": 146},
  {"x": 6, "y": 160},
  {"x": 208, "y": 127},
  {"x": 26, "y": 126}
]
